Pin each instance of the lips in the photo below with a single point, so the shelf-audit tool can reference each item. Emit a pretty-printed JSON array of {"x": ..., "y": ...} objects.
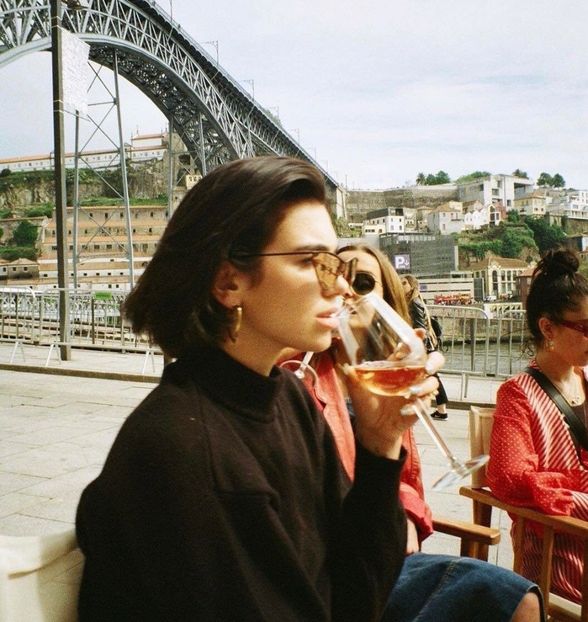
[{"x": 329, "y": 318}]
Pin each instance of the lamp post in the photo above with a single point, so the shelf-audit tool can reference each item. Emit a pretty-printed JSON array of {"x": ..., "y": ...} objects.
[
  {"x": 215, "y": 46},
  {"x": 59, "y": 177},
  {"x": 252, "y": 83}
]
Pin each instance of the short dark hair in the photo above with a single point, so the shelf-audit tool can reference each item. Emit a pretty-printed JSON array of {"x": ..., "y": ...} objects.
[
  {"x": 556, "y": 287},
  {"x": 234, "y": 210}
]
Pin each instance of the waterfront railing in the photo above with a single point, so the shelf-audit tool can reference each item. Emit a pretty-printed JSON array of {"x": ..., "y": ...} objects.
[{"x": 487, "y": 342}]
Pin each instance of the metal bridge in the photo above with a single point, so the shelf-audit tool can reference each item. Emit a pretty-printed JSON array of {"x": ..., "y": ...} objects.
[{"x": 217, "y": 119}]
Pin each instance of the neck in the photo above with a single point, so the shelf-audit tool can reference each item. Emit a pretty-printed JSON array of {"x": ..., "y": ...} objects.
[
  {"x": 567, "y": 378},
  {"x": 251, "y": 354},
  {"x": 553, "y": 366}
]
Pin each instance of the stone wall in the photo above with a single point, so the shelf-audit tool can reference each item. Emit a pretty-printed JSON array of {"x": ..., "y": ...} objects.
[{"x": 360, "y": 202}]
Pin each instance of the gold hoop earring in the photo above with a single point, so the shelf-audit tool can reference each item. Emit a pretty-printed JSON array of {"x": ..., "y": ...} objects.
[
  {"x": 549, "y": 346},
  {"x": 235, "y": 327}
]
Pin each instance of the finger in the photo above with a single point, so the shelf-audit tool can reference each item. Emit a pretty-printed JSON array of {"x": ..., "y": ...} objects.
[
  {"x": 435, "y": 362},
  {"x": 421, "y": 332},
  {"x": 428, "y": 386}
]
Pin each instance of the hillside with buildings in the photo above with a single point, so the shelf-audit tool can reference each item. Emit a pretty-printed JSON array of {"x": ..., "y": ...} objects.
[{"x": 452, "y": 235}]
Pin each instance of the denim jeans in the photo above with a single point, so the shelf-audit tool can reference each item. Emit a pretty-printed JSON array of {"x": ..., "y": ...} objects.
[{"x": 443, "y": 588}]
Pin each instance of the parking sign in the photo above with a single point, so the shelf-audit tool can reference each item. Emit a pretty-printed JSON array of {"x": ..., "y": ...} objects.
[{"x": 402, "y": 262}]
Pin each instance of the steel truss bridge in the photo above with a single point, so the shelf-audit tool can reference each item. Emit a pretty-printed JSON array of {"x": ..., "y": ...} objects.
[{"x": 215, "y": 117}]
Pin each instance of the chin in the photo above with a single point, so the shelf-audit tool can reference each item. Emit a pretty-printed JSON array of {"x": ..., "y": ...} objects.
[{"x": 320, "y": 345}]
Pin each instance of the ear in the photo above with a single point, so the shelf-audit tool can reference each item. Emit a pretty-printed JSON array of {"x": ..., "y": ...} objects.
[
  {"x": 227, "y": 285},
  {"x": 546, "y": 327}
]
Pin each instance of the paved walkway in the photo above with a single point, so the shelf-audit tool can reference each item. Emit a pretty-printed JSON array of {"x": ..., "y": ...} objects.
[{"x": 58, "y": 422}]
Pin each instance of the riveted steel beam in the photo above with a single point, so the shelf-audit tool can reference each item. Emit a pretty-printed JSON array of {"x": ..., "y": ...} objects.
[{"x": 165, "y": 63}]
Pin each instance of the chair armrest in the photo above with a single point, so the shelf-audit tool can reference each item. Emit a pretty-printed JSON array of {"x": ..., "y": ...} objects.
[
  {"x": 563, "y": 524},
  {"x": 474, "y": 539},
  {"x": 470, "y": 531}
]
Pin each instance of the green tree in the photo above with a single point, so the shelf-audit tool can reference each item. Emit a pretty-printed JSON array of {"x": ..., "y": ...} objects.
[
  {"x": 557, "y": 181},
  {"x": 41, "y": 210},
  {"x": 515, "y": 240},
  {"x": 433, "y": 180},
  {"x": 343, "y": 229},
  {"x": 25, "y": 234},
  {"x": 442, "y": 177},
  {"x": 545, "y": 179},
  {"x": 546, "y": 236},
  {"x": 513, "y": 216},
  {"x": 10, "y": 253},
  {"x": 421, "y": 179},
  {"x": 518, "y": 173},
  {"x": 473, "y": 176}
]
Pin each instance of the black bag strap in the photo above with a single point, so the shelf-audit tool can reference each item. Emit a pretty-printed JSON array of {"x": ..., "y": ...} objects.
[{"x": 577, "y": 427}]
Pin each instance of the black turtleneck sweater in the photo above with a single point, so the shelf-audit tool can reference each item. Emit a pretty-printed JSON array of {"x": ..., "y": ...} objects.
[{"x": 223, "y": 499}]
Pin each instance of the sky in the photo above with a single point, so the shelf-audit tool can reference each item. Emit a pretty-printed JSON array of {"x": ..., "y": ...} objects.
[{"x": 379, "y": 90}]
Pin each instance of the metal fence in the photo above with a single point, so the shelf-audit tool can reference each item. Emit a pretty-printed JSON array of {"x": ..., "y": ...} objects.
[
  {"x": 475, "y": 341},
  {"x": 479, "y": 342},
  {"x": 95, "y": 319}
]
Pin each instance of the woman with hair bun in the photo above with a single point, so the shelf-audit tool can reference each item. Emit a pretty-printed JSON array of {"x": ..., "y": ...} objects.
[{"x": 537, "y": 460}]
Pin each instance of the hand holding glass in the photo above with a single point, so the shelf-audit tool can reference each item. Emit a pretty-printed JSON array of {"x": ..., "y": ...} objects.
[{"x": 388, "y": 358}]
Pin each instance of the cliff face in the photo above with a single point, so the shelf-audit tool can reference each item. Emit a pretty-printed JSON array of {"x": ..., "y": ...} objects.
[
  {"x": 18, "y": 193},
  {"x": 22, "y": 190},
  {"x": 13, "y": 196}
]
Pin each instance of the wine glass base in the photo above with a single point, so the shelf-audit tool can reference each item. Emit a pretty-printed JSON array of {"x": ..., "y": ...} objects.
[{"x": 460, "y": 471}]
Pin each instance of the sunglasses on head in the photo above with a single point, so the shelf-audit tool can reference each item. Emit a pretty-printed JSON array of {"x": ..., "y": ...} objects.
[
  {"x": 363, "y": 283},
  {"x": 328, "y": 266}
]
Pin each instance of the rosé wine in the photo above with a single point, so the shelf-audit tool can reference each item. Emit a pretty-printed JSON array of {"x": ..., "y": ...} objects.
[{"x": 388, "y": 377}]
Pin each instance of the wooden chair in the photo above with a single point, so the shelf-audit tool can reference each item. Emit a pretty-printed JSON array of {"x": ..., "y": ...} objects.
[
  {"x": 474, "y": 539},
  {"x": 558, "y": 608},
  {"x": 39, "y": 578}
]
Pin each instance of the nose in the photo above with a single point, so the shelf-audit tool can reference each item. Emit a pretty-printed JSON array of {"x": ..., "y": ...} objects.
[{"x": 342, "y": 287}]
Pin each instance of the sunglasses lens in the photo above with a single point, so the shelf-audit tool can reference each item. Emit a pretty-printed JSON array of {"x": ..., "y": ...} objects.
[
  {"x": 328, "y": 268},
  {"x": 363, "y": 283}
]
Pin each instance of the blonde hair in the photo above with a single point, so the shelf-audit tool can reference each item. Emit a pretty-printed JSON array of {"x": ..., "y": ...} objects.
[{"x": 393, "y": 293}]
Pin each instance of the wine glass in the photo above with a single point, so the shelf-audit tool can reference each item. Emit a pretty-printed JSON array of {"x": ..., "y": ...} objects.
[
  {"x": 301, "y": 368},
  {"x": 388, "y": 358}
]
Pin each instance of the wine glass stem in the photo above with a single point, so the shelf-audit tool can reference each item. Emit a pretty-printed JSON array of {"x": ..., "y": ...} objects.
[
  {"x": 421, "y": 411},
  {"x": 304, "y": 364}
]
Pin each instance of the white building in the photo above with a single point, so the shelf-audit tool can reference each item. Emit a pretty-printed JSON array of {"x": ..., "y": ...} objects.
[
  {"x": 387, "y": 220},
  {"x": 574, "y": 205},
  {"x": 533, "y": 204},
  {"x": 446, "y": 219},
  {"x": 494, "y": 189},
  {"x": 142, "y": 148},
  {"x": 475, "y": 216},
  {"x": 499, "y": 274}
]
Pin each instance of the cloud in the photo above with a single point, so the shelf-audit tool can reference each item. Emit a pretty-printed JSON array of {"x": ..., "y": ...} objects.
[{"x": 382, "y": 90}]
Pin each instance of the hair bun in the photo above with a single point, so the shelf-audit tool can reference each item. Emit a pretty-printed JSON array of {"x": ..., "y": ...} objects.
[{"x": 558, "y": 262}]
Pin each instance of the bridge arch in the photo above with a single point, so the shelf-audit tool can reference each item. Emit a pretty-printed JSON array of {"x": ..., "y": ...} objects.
[{"x": 215, "y": 117}]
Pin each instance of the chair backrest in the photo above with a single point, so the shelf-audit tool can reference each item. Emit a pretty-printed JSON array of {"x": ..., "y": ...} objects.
[
  {"x": 39, "y": 578},
  {"x": 481, "y": 420}
]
